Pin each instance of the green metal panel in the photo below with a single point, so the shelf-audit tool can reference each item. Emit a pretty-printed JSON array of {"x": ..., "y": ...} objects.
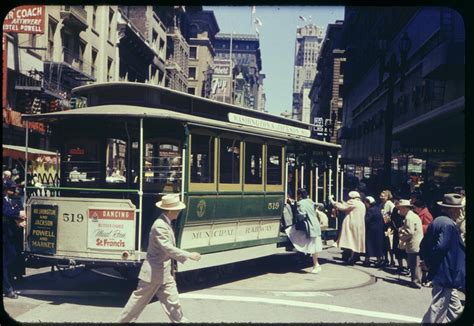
[
  {"x": 273, "y": 205},
  {"x": 201, "y": 208},
  {"x": 228, "y": 206},
  {"x": 252, "y": 205}
]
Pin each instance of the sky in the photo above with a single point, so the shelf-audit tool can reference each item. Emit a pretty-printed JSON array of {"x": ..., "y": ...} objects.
[{"x": 277, "y": 41}]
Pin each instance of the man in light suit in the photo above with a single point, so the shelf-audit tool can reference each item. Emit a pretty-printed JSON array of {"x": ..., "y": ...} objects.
[{"x": 155, "y": 275}]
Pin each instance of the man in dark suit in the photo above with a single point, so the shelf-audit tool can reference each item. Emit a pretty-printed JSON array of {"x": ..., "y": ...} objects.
[
  {"x": 443, "y": 253},
  {"x": 155, "y": 275},
  {"x": 12, "y": 217}
]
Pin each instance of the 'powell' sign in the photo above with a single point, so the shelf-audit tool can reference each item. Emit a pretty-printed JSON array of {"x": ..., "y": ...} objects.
[{"x": 258, "y": 123}]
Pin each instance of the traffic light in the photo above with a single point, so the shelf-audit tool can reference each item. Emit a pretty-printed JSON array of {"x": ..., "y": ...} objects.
[
  {"x": 36, "y": 106},
  {"x": 73, "y": 102},
  {"x": 54, "y": 105}
]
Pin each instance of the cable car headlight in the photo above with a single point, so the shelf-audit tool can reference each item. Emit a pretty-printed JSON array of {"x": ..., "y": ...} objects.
[{"x": 125, "y": 255}]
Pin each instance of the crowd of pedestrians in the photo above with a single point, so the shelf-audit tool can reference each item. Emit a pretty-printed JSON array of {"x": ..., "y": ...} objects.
[{"x": 396, "y": 228}]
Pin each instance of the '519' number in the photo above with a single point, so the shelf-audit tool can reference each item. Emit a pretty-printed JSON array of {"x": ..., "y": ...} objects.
[{"x": 73, "y": 217}]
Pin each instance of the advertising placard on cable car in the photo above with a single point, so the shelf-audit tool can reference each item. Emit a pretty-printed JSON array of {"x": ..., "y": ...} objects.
[
  {"x": 43, "y": 230},
  {"x": 111, "y": 229}
]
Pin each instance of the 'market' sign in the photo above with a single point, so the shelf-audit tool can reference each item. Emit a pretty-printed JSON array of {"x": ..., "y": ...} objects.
[{"x": 263, "y": 124}]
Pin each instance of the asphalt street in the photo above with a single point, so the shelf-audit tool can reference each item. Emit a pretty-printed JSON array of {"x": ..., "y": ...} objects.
[{"x": 272, "y": 289}]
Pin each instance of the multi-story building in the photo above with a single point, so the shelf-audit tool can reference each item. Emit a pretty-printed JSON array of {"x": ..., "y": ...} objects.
[
  {"x": 203, "y": 28},
  {"x": 247, "y": 64},
  {"x": 427, "y": 89},
  {"x": 83, "y": 44},
  {"x": 307, "y": 47},
  {"x": 325, "y": 94},
  {"x": 78, "y": 46}
]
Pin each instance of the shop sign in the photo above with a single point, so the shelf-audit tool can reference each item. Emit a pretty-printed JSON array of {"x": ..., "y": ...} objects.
[
  {"x": 25, "y": 19},
  {"x": 11, "y": 117},
  {"x": 111, "y": 229},
  {"x": 43, "y": 231},
  {"x": 269, "y": 125}
]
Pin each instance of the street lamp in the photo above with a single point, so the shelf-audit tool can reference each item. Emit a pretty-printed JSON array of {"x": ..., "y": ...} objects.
[{"x": 393, "y": 68}]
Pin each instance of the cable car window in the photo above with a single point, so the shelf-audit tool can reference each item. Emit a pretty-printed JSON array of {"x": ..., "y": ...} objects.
[
  {"x": 163, "y": 167},
  {"x": 115, "y": 152},
  {"x": 274, "y": 165},
  {"x": 202, "y": 159},
  {"x": 253, "y": 163},
  {"x": 229, "y": 161},
  {"x": 82, "y": 161}
]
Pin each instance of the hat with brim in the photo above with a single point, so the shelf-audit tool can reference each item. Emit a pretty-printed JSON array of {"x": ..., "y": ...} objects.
[
  {"x": 170, "y": 203},
  {"x": 370, "y": 199},
  {"x": 9, "y": 185},
  {"x": 404, "y": 203},
  {"x": 451, "y": 200},
  {"x": 354, "y": 194}
]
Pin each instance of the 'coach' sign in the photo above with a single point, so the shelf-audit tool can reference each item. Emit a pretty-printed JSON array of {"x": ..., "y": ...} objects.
[{"x": 25, "y": 19}]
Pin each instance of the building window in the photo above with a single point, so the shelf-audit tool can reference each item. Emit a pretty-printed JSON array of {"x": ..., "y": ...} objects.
[
  {"x": 274, "y": 164},
  {"x": 110, "y": 64},
  {"x": 202, "y": 159},
  {"x": 192, "y": 73},
  {"x": 193, "y": 52},
  {"x": 94, "y": 17},
  {"x": 229, "y": 161},
  {"x": 51, "y": 31},
  {"x": 111, "y": 17},
  {"x": 253, "y": 163},
  {"x": 32, "y": 40},
  {"x": 82, "y": 50},
  {"x": 116, "y": 169},
  {"x": 94, "y": 62},
  {"x": 192, "y": 90}
]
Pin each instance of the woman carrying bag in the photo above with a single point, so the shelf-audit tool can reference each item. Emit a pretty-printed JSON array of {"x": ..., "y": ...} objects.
[{"x": 305, "y": 233}]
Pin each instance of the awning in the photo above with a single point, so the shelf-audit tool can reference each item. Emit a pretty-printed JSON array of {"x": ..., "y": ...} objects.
[{"x": 18, "y": 152}]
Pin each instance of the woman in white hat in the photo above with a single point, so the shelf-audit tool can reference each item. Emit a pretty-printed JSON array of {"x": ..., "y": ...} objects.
[
  {"x": 155, "y": 275},
  {"x": 374, "y": 232},
  {"x": 352, "y": 236}
]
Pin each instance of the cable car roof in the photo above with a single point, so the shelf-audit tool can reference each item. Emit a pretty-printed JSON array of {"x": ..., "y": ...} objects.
[{"x": 153, "y": 113}]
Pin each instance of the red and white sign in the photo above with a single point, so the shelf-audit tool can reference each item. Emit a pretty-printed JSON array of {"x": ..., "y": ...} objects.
[
  {"x": 25, "y": 19},
  {"x": 111, "y": 229}
]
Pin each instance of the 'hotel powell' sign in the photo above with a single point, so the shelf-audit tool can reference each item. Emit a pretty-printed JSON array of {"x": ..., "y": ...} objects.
[{"x": 258, "y": 123}]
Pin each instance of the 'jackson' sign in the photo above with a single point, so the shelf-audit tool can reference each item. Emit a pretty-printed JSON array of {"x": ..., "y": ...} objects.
[
  {"x": 263, "y": 124},
  {"x": 44, "y": 225},
  {"x": 111, "y": 229}
]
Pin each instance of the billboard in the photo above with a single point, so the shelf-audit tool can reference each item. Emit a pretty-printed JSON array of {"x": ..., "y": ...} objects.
[{"x": 25, "y": 19}]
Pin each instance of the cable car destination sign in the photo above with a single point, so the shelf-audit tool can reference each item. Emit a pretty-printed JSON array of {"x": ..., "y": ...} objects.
[{"x": 268, "y": 125}]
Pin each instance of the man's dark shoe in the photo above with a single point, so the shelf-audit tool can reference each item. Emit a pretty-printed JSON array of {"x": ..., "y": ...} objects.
[
  {"x": 415, "y": 285},
  {"x": 12, "y": 295}
]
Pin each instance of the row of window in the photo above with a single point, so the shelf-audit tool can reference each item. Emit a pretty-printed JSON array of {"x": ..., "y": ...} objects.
[{"x": 229, "y": 158}]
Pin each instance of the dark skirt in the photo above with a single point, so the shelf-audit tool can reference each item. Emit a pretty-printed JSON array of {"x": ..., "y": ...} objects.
[{"x": 374, "y": 241}]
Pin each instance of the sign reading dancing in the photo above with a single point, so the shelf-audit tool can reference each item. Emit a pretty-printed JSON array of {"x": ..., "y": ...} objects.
[{"x": 258, "y": 123}]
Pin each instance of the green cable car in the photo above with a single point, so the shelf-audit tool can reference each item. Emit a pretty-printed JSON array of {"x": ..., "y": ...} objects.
[{"x": 133, "y": 143}]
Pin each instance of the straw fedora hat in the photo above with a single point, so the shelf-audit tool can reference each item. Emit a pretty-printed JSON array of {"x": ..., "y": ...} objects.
[
  {"x": 170, "y": 203},
  {"x": 451, "y": 200},
  {"x": 404, "y": 203}
]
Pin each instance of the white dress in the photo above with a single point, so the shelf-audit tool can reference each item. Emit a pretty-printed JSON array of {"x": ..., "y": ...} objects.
[{"x": 302, "y": 243}]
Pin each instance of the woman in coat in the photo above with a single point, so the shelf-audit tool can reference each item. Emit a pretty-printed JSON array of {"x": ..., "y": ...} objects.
[
  {"x": 387, "y": 207},
  {"x": 310, "y": 243},
  {"x": 374, "y": 231},
  {"x": 352, "y": 236}
]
